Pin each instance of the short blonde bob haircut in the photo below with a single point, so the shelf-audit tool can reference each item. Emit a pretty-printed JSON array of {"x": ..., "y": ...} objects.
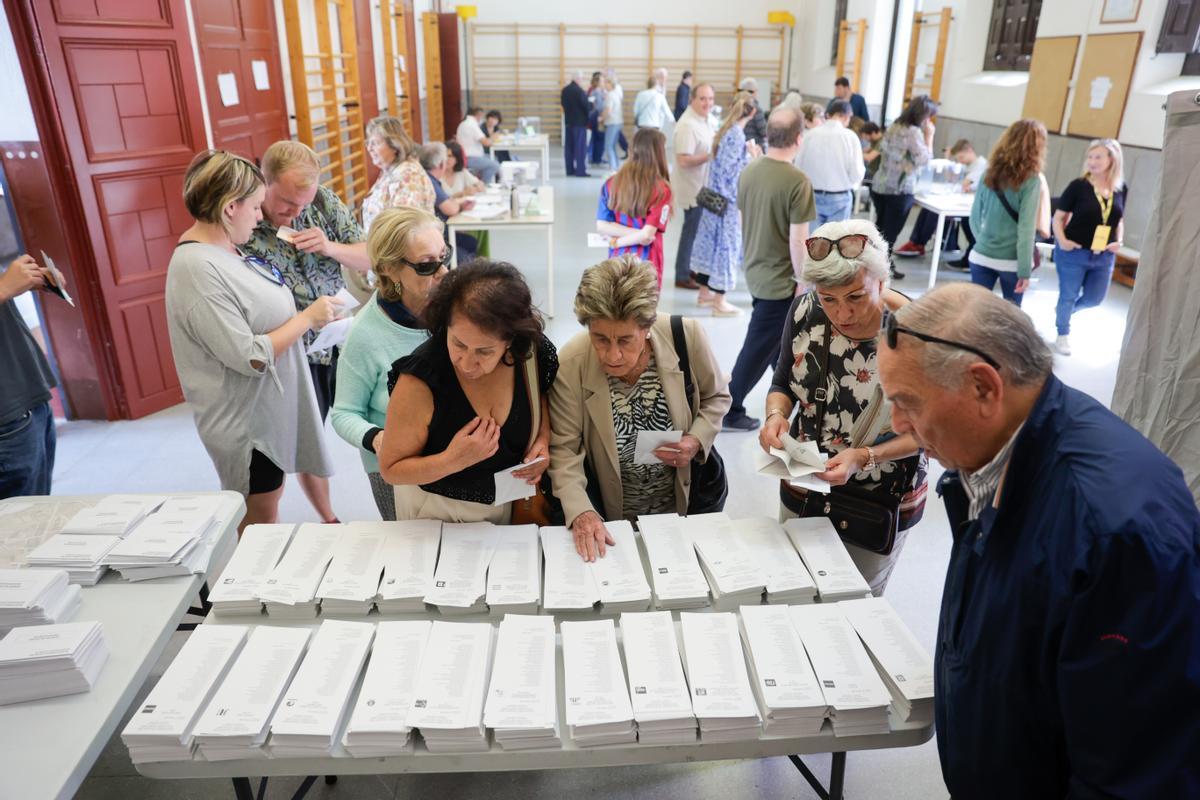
[
  {"x": 295, "y": 157},
  {"x": 621, "y": 288},
  {"x": 1116, "y": 161},
  {"x": 388, "y": 244},
  {"x": 391, "y": 130},
  {"x": 215, "y": 179},
  {"x": 834, "y": 270}
]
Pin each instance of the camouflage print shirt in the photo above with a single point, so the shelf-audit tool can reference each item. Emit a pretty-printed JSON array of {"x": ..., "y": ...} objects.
[{"x": 309, "y": 275}]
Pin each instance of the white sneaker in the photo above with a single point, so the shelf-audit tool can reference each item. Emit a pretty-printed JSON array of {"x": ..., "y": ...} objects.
[{"x": 1062, "y": 345}]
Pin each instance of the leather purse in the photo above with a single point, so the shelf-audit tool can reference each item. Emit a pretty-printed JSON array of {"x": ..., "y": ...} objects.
[
  {"x": 710, "y": 484},
  {"x": 539, "y": 508},
  {"x": 712, "y": 201}
]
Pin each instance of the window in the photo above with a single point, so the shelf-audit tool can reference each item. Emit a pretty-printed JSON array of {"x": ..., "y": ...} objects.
[
  {"x": 1180, "y": 28},
  {"x": 839, "y": 16},
  {"x": 1012, "y": 33}
]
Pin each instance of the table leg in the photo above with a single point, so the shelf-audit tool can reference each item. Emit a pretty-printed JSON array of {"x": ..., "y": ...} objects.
[
  {"x": 837, "y": 776},
  {"x": 810, "y": 777},
  {"x": 453, "y": 249},
  {"x": 550, "y": 271},
  {"x": 937, "y": 249},
  {"x": 242, "y": 790}
]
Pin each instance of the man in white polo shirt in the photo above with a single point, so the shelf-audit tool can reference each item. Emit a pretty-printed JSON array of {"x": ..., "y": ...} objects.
[
  {"x": 832, "y": 159},
  {"x": 694, "y": 134},
  {"x": 471, "y": 136}
]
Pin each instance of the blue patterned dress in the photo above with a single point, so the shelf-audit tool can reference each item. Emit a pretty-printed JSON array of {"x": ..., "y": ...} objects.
[{"x": 717, "y": 252}]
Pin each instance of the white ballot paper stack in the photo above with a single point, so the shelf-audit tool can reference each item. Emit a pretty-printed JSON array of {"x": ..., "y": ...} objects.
[
  {"x": 522, "y": 700},
  {"x": 856, "y": 696},
  {"x": 825, "y": 555},
  {"x": 447, "y": 704},
  {"x": 658, "y": 691},
  {"x": 788, "y": 580},
  {"x": 35, "y": 597},
  {"x": 678, "y": 580},
  {"x": 410, "y": 555},
  {"x": 460, "y": 581},
  {"x": 619, "y": 576},
  {"x": 290, "y": 591},
  {"x": 50, "y": 660},
  {"x": 235, "y": 723},
  {"x": 80, "y": 554},
  {"x": 257, "y": 553},
  {"x": 379, "y": 724},
  {"x": 597, "y": 697},
  {"x": 310, "y": 719},
  {"x": 570, "y": 585},
  {"x": 161, "y": 729},
  {"x": 785, "y": 686},
  {"x": 722, "y": 699},
  {"x": 115, "y": 515},
  {"x": 732, "y": 571},
  {"x": 905, "y": 665},
  {"x": 352, "y": 579},
  {"x": 178, "y": 539},
  {"x": 514, "y": 577}
]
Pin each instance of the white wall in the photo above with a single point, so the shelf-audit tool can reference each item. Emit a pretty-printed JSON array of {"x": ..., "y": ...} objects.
[
  {"x": 16, "y": 123},
  {"x": 811, "y": 71}
]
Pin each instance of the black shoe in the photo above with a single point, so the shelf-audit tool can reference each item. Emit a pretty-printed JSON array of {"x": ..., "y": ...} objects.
[
  {"x": 959, "y": 265},
  {"x": 739, "y": 423},
  {"x": 895, "y": 274}
]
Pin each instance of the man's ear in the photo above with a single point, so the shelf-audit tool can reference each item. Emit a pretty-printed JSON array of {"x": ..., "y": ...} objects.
[{"x": 987, "y": 387}]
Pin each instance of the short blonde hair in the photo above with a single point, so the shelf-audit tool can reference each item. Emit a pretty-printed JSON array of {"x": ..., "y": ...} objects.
[
  {"x": 388, "y": 243},
  {"x": 215, "y": 179},
  {"x": 391, "y": 130},
  {"x": 833, "y": 270},
  {"x": 1116, "y": 166},
  {"x": 621, "y": 288},
  {"x": 812, "y": 111},
  {"x": 291, "y": 156}
]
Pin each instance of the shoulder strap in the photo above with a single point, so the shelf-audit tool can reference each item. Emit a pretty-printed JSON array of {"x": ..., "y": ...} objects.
[
  {"x": 533, "y": 392},
  {"x": 685, "y": 363},
  {"x": 821, "y": 393},
  {"x": 1012, "y": 212}
]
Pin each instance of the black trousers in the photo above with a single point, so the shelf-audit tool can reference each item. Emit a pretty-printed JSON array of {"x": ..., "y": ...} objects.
[
  {"x": 575, "y": 150},
  {"x": 891, "y": 212}
]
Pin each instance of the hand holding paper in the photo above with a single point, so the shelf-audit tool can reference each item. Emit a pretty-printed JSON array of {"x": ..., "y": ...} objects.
[
  {"x": 509, "y": 487},
  {"x": 649, "y": 441}
]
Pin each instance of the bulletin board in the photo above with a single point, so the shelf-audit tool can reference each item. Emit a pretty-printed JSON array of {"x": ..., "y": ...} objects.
[
  {"x": 1049, "y": 80},
  {"x": 1102, "y": 85}
]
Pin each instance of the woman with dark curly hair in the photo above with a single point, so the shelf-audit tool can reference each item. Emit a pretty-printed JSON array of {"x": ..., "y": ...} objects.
[{"x": 459, "y": 410}]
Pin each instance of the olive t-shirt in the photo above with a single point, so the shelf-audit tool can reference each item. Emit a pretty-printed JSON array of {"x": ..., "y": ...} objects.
[{"x": 772, "y": 196}]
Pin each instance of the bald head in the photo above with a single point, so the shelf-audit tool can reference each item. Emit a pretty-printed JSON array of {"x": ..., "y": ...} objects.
[{"x": 784, "y": 128}]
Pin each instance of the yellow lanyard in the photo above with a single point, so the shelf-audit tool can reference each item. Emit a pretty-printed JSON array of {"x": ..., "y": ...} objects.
[{"x": 1106, "y": 204}]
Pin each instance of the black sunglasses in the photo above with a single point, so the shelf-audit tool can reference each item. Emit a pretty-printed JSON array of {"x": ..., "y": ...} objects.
[
  {"x": 849, "y": 246},
  {"x": 427, "y": 268},
  {"x": 892, "y": 330}
]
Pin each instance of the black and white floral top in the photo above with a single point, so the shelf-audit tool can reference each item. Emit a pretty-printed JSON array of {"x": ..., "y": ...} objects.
[{"x": 645, "y": 488}]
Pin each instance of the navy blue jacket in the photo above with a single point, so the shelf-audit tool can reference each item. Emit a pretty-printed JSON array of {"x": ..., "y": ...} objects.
[
  {"x": 1068, "y": 654},
  {"x": 575, "y": 105}
]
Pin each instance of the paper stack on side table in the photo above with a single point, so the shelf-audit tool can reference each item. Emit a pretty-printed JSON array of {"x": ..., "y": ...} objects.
[
  {"x": 50, "y": 660},
  {"x": 35, "y": 597},
  {"x": 80, "y": 554},
  {"x": 114, "y": 515}
]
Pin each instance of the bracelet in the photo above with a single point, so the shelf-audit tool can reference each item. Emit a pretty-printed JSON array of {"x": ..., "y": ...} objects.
[
  {"x": 778, "y": 411},
  {"x": 872, "y": 462}
]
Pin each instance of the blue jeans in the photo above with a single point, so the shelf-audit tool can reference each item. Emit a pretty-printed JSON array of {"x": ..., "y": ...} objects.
[
  {"x": 760, "y": 350},
  {"x": 611, "y": 132},
  {"x": 27, "y": 453},
  {"x": 484, "y": 167},
  {"x": 687, "y": 237},
  {"x": 833, "y": 206},
  {"x": 1083, "y": 278},
  {"x": 987, "y": 277}
]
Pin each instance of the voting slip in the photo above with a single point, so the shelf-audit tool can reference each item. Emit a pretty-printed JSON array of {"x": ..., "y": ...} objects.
[
  {"x": 447, "y": 703},
  {"x": 379, "y": 724},
  {"x": 43, "y": 661},
  {"x": 905, "y": 665},
  {"x": 55, "y": 282},
  {"x": 290, "y": 590},
  {"x": 36, "y": 597},
  {"x": 509, "y": 487},
  {"x": 177, "y": 539},
  {"x": 795, "y": 459},
  {"x": 649, "y": 441},
  {"x": 410, "y": 555},
  {"x": 514, "y": 576},
  {"x": 675, "y": 571},
  {"x": 722, "y": 698},
  {"x": 352, "y": 579},
  {"x": 161, "y": 727},
  {"x": 733, "y": 573},
  {"x": 596, "y": 694},
  {"x": 314, "y": 708},
  {"x": 114, "y": 515},
  {"x": 788, "y": 580},
  {"x": 825, "y": 556},
  {"x": 80, "y": 554},
  {"x": 332, "y": 335},
  {"x": 235, "y": 723},
  {"x": 460, "y": 580},
  {"x": 619, "y": 576},
  {"x": 855, "y": 693},
  {"x": 257, "y": 553},
  {"x": 522, "y": 699},
  {"x": 785, "y": 686},
  {"x": 658, "y": 690},
  {"x": 569, "y": 584}
]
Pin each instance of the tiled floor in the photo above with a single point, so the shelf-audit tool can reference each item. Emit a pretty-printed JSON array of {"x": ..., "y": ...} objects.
[{"x": 162, "y": 453}]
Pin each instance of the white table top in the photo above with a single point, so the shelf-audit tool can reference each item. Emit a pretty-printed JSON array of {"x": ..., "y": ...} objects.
[
  {"x": 47, "y": 747},
  {"x": 952, "y": 204},
  {"x": 508, "y": 141},
  {"x": 545, "y": 195}
]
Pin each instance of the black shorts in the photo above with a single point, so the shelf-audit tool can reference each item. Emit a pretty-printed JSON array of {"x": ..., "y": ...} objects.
[
  {"x": 324, "y": 378},
  {"x": 264, "y": 475}
]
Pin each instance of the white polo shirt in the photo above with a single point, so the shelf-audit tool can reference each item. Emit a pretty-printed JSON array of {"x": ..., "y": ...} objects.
[
  {"x": 831, "y": 156},
  {"x": 693, "y": 135},
  {"x": 470, "y": 137}
]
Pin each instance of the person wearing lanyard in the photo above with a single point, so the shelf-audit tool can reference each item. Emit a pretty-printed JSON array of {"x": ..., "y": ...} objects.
[{"x": 1089, "y": 229}]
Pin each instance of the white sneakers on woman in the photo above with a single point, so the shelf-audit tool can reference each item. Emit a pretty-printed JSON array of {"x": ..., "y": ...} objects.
[{"x": 1062, "y": 345}]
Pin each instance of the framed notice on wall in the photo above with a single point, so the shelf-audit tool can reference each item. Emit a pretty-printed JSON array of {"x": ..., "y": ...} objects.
[
  {"x": 1120, "y": 11},
  {"x": 1102, "y": 84}
]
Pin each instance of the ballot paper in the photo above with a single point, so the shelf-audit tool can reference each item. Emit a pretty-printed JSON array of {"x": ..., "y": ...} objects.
[
  {"x": 722, "y": 698},
  {"x": 114, "y": 515},
  {"x": 451, "y": 683},
  {"x": 678, "y": 580},
  {"x": 55, "y": 282},
  {"x": 177, "y": 539},
  {"x": 788, "y": 694},
  {"x": 732, "y": 571},
  {"x": 658, "y": 690},
  {"x": 825, "y": 556},
  {"x": 409, "y": 555},
  {"x": 795, "y": 459},
  {"x": 50, "y": 661},
  {"x": 487, "y": 206},
  {"x": 648, "y": 441},
  {"x": 161, "y": 728},
  {"x": 348, "y": 302},
  {"x": 596, "y": 694},
  {"x": 460, "y": 581},
  {"x": 522, "y": 699},
  {"x": 788, "y": 580},
  {"x": 80, "y": 554},
  {"x": 570, "y": 583},
  {"x": 855, "y": 693},
  {"x": 352, "y": 579},
  {"x": 598, "y": 240},
  {"x": 290, "y": 591},
  {"x": 332, "y": 335},
  {"x": 314, "y": 707},
  {"x": 905, "y": 665},
  {"x": 619, "y": 576},
  {"x": 257, "y": 553},
  {"x": 36, "y": 597},
  {"x": 379, "y": 725},
  {"x": 236, "y": 721},
  {"x": 509, "y": 487},
  {"x": 286, "y": 233},
  {"x": 514, "y": 577}
]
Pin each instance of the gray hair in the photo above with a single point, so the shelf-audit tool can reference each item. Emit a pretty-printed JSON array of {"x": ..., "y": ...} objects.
[
  {"x": 621, "y": 288},
  {"x": 834, "y": 269},
  {"x": 432, "y": 155},
  {"x": 577, "y": 74},
  {"x": 973, "y": 316}
]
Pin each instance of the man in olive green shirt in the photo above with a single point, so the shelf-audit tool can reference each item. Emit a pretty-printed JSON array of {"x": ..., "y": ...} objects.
[{"x": 776, "y": 201}]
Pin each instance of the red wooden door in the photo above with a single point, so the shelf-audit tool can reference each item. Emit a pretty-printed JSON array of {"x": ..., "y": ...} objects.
[{"x": 237, "y": 38}]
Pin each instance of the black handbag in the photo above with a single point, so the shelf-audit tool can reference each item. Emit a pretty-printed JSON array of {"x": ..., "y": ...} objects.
[
  {"x": 712, "y": 201},
  {"x": 710, "y": 484}
]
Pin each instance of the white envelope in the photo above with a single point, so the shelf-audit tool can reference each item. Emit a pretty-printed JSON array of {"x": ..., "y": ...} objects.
[
  {"x": 509, "y": 488},
  {"x": 649, "y": 441}
]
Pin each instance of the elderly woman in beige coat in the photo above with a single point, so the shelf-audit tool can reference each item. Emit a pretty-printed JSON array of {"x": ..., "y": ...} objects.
[{"x": 618, "y": 377}]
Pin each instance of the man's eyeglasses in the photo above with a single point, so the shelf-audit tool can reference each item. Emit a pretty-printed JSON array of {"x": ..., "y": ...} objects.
[
  {"x": 848, "y": 246},
  {"x": 892, "y": 331},
  {"x": 427, "y": 268}
]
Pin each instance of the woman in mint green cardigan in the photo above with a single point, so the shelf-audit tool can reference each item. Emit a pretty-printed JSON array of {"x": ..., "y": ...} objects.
[{"x": 409, "y": 256}]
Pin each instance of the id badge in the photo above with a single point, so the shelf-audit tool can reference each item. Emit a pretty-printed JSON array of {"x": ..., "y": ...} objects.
[{"x": 1100, "y": 238}]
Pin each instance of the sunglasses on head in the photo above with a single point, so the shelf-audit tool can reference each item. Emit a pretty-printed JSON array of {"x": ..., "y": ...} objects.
[
  {"x": 427, "y": 268},
  {"x": 849, "y": 246},
  {"x": 892, "y": 331}
]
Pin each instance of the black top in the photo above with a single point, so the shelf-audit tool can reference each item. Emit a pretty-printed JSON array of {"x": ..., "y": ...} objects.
[
  {"x": 756, "y": 128},
  {"x": 683, "y": 96},
  {"x": 1079, "y": 200},
  {"x": 575, "y": 105},
  {"x": 430, "y": 363},
  {"x": 27, "y": 377},
  {"x": 858, "y": 107}
]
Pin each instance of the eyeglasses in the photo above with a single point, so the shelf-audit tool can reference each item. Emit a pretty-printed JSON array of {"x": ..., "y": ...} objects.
[
  {"x": 892, "y": 330},
  {"x": 264, "y": 268},
  {"x": 427, "y": 268},
  {"x": 849, "y": 246}
]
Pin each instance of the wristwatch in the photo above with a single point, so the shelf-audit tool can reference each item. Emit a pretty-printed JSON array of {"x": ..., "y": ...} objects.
[{"x": 872, "y": 462}]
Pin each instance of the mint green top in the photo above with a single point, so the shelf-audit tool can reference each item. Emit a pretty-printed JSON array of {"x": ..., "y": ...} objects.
[
  {"x": 361, "y": 402},
  {"x": 997, "y": 234}
]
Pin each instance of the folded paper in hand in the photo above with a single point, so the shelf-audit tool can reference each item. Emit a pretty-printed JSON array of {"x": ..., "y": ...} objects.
[
  {"x": 331, "y": 335},
  {"x": 509, "y": 487},
  {"x": 349, "y": 302},
  {"x": 795, "y": 463},
  {"x": 649, "y": 441}
]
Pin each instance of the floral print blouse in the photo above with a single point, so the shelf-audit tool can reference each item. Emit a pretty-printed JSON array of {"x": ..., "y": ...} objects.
[
  {"x": 403, "y": 185},
  {"x": 902, "y": 153}
]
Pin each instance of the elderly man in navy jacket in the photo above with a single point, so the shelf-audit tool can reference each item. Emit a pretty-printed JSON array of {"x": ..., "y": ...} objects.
[
  {"x": 1068, "y": 652},
  {"x": 575, "y": 115}
]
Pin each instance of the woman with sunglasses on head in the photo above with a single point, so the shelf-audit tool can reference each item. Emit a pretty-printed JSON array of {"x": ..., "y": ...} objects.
[
  {"x": 827, "y": 370},
  {"x": 235, "y": 337},
  {"x": 409, "y": 256}
]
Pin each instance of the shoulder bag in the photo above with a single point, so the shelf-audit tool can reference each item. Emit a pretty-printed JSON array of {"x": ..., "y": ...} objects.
[
  {"x": 541, "y": 508},
  {"x": 712, "y": 201},
  {"x": 710, "y": 484}
]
